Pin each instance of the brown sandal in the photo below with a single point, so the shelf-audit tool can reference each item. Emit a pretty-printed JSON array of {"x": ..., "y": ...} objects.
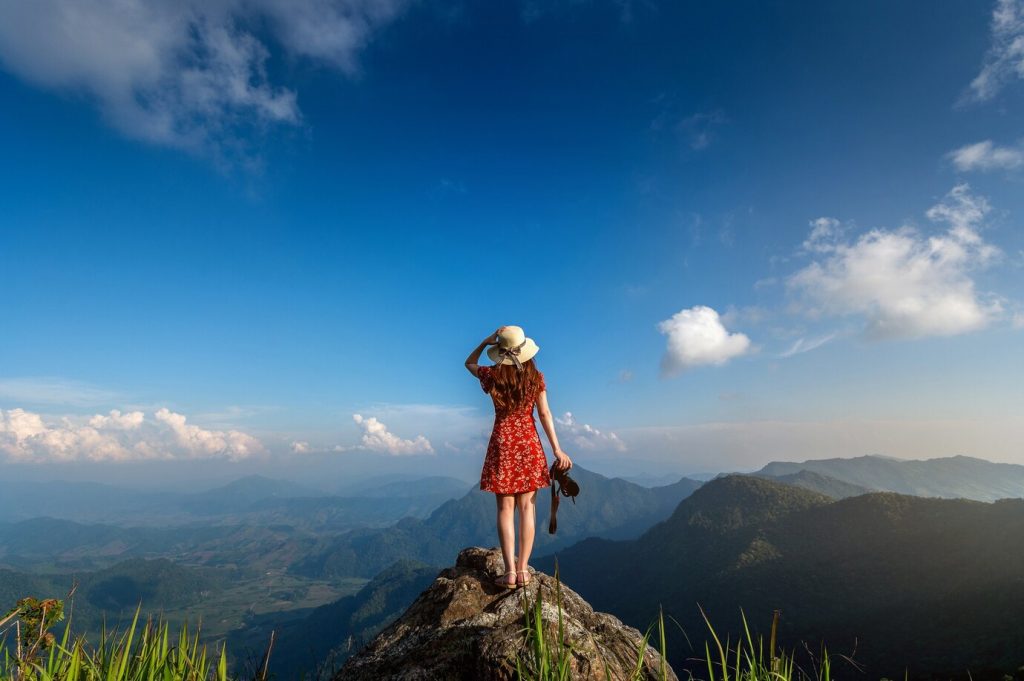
[
  {"x": 503, "y": 581},
  {"x": 520, "y": 582}
]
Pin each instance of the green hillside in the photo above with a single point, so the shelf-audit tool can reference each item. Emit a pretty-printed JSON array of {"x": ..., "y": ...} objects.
[{"x": 929, "y": 585}]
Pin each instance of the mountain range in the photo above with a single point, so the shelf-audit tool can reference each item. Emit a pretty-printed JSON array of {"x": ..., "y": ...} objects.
[
  {"x": 954, "y": 477},
  {"x": 252, "y": 500},
  {"x": 607, "y": 507},
  {"x": 926, "y": 586}
]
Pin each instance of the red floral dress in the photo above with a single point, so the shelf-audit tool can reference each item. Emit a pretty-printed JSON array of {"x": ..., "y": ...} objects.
[{"x": 515, "y": 460}]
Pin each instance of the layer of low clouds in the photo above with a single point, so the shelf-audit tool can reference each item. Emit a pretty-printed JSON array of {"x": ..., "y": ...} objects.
[
  {"x": 186, "y": 74},
  {"x": 29, "y": 437},
  {"x": 376, "y": 437},
  {"x": 905, "y": 284},
  {"x": 1004, "y": 62},
  {"x": 583, "y": 436},
  {"x": 697, "y": 337},
  {"x": 986, "y": 155}
]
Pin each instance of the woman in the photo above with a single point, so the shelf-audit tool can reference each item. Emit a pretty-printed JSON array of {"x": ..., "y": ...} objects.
[{"x": 515, "y": 465}]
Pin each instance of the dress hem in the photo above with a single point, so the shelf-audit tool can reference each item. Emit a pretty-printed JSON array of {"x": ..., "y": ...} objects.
[{"x": 522, "y": 491}]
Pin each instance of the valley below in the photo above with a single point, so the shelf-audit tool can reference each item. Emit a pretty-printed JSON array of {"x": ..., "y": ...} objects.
[{"x": 925, "y": 586}]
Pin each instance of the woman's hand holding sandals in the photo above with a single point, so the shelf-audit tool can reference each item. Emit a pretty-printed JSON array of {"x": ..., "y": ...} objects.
[{"x": 563, "y": 462}]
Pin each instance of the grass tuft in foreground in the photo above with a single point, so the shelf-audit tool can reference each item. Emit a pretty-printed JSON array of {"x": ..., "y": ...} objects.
[
  {"x": 144, "y": 651},
  {"x": 544, "y": 660}
]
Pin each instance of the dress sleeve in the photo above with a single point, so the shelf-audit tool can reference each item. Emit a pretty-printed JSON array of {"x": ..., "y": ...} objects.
[{"x": 486, "y": 378}]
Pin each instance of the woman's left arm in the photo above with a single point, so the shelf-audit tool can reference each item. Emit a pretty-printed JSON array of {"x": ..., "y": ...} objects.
[
  {"x": 562, "y": 460},
  {"x": 474, "y": 357}
]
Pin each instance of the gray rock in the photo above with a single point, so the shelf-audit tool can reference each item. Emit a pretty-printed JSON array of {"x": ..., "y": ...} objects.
[{"x": 465, "y": 628}]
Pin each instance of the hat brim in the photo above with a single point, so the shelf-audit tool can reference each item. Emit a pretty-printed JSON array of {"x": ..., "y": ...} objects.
[{"x": 527, "y": 353}]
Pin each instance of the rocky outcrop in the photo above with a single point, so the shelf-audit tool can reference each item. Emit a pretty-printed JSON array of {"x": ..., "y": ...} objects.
[{"x": 463, "y": 627}]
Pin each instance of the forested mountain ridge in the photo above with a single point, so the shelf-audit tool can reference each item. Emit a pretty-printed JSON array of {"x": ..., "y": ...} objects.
[{"x": 928, "y": 585}]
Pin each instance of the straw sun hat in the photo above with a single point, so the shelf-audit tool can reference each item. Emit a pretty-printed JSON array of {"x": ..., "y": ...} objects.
[{"x": 513, "y": 347}]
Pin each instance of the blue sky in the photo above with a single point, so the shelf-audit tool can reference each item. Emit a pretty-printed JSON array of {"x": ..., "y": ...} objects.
[{"x": 739, "y": 232}]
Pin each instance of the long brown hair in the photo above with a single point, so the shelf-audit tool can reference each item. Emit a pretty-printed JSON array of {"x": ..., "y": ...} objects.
[{"x": 514, "y": 389}]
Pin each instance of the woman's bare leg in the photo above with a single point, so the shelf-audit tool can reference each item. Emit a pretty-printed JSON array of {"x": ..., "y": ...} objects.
[
  {"x": 526, "y": 502},
  {"x": 507, "y": 529}
]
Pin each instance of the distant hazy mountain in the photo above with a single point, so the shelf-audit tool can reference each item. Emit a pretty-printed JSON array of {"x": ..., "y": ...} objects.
[
  {"x": 395, "y": 487},
  {"x": 243, "y": 492},
  {"x": 89, "y": 501},
  {"x": 606, "y": 507},
  {"x": 328, "y": 635},
  {"x": 823, "y": 484},
  {"x": 933, "y": 586},
  {"x": 254, "y": 500},
  {"x": 955, "y": 477}
]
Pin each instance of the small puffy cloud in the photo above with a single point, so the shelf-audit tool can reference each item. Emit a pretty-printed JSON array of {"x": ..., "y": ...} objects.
[
  {"x": 986, "y": 156},
  {"x": 29, "y": 437},
  {"x": 824, "y": 236},
  {"x": 189, "y": 74},
  {"x": 378, "y": 438},
  {"x": 585, "y": 436},
  {"x": 697, "y": 337},
  {"x": 905, "y": 283},
  {"x": 300, "y": 447},
  {"x": 1004, "y": 62}
]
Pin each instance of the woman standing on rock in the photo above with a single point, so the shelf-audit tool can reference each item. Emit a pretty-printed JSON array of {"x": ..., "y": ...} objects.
[{"x": 515, "y": 465}]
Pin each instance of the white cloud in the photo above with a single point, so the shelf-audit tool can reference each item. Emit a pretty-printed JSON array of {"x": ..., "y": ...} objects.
[
  {"x": 585, "y": 436},
  {"x": 907, "y": 284},
  {"x": 115, "y": 420},
  {"x": 185, "y": 74},
  {"x": 300, "y": 447},
  {"x": 825, "y": 235},
  {"x": 986, "y": 156},
  {"x": 1004, "y": 62},
  {"x": 200, "y": 443},
  {"x": 1018, "y": 320},
  {"x": 377, "y": 437},
  {"x": 802, "y": 345},
  {"x": 29, "y": 437},
  {"x": 697, "y": 337}
]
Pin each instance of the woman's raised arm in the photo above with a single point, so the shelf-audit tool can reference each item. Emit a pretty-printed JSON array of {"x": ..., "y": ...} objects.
[{"x": 474, "y": 357}]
